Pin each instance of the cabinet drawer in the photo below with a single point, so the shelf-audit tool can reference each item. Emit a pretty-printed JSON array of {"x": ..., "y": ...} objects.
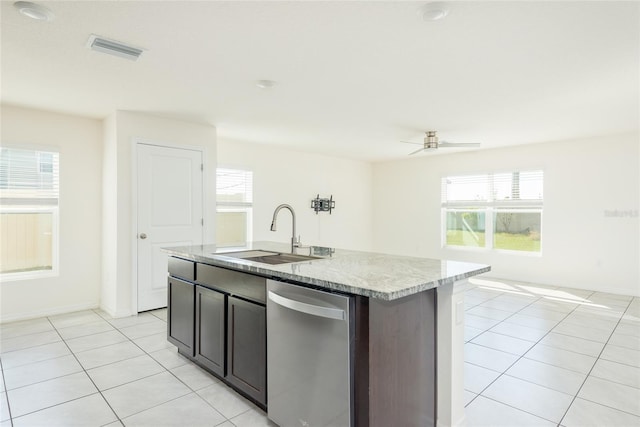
[
  {"x": 182, "y": 268},
  {"x": 236, "y": 283}
]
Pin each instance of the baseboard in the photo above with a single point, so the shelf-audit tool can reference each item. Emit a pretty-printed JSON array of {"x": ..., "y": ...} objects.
[
  {"x": 460, "y": 422},
  {"x": 48, "y": 312},
  {"x": 609, "y": 289},
  {"x": 116, "y": 313}
]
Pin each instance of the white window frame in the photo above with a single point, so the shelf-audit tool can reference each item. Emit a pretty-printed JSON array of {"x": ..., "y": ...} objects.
[
  {"x": 240, "y": 207},
  {"x": 466, "y": 208},
  {"x": 38, "y": 274},
  {"x": 249, "y": 226},
  {"x": 490, "y": 208},
  {"x": 27, "y": 207},
  {"x": 513, "y": 251}
]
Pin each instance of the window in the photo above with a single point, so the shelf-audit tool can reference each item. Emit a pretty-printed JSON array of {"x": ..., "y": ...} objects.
[
  {"x": 29, "y": 182},
  {"x": 493, "y": 211},
  {"x": 234, "y": 199}
]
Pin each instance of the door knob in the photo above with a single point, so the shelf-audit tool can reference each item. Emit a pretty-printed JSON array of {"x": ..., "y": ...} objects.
[{"x": 143, "y": 236}]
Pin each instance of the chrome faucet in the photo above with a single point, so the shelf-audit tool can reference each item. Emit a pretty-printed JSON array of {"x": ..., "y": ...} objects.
[{"x": 295, "y": 243}]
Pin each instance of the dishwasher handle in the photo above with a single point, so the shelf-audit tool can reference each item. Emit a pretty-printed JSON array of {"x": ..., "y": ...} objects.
[{"x": 303, "y": 307}]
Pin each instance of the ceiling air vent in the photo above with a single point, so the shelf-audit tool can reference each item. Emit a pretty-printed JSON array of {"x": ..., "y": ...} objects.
[{"x": 113, "y": 47}]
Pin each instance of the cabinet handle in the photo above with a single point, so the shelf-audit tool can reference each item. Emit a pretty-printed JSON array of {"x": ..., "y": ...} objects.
[
  {"x": 143, "y": 236},
  {"x": 314, "y": 310}
]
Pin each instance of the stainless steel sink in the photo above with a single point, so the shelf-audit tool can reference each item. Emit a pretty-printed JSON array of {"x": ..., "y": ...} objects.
[
  {"x": 268, "y": 257},
  {"x": 281, "y": 258},
  {"x": 247, "y": 254}
]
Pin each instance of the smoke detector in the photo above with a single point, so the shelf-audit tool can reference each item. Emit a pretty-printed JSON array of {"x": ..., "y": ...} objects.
[
  {"x": 434, "y": 11},
  {"x": 34, "y": 11},
  {"x": 265, "y": 84},
  {"x": 112, "y": 47}
]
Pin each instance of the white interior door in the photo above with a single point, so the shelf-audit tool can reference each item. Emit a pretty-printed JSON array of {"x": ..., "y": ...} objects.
[{"x": 170, "y": 213}]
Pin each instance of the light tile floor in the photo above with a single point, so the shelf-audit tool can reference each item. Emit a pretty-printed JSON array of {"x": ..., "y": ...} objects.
[
  {"x": 88, "y": 369},
  {"x": 534, "y": 355},
  {"x": 550, "y": 356}
]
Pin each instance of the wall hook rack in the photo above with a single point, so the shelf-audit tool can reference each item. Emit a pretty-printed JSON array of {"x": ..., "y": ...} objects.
[{"x": 323, "y": 205}]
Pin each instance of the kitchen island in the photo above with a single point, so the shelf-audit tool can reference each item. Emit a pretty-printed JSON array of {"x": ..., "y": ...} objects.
[{"x": 406, "y": 349}]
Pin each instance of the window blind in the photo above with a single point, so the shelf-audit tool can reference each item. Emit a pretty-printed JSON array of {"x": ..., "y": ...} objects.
[
  {"x": 516, "y": 188},
  {"x": 234, "y": 187},
  {"x": 29, "y": 177}
]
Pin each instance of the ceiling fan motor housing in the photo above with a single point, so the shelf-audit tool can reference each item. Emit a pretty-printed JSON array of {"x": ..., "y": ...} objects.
[{"x": 431, "y": 140}]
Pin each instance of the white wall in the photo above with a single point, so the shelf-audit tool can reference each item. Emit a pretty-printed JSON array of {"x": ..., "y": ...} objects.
[
  {"x": 119, "y": 233},
  {"x": 286, "y": 176},
  {"x": 79, "y": 142},
  {"x": 581, "y": 246},
  {"x": 388, "y": 207},
  {"x": 109, "y": 290}
]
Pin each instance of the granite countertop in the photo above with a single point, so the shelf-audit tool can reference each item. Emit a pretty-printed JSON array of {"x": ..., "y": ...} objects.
[{"x": 374, "y": 275}]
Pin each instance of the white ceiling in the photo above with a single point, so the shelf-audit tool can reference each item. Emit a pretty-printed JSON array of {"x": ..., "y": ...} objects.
[{"x": 353, "y": 77}]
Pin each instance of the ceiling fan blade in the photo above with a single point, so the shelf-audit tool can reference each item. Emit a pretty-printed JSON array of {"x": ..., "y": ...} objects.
[
  {"x": 417, "y": 151},
  {"x": 458, "y": 144},
  {"x": 411, "y": 142}
]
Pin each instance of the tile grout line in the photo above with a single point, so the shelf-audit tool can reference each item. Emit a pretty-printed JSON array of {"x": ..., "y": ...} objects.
[
  {"x": 85, "y": 372},
  {"x": 63, "y": 340},
  {"x": 576, "y": 309},
  {"x": 6, "y": 393},
  {"x": 166, "y": 370},
  {"x": 148, "y": 376},
  {"x": 71, "y": 400},
  {"x": 594, "y": 364},
  {"x": 501, "y": 373},
  {"x": 41, "y": 381},
  {"x": 522, "y": 356},
  {"x": 73, "y": 353},
  {"x": 587, "y": 374},
  {"x": 171, "y": 373},
  {"x": 196, "y": 391},
  {"x": 610, "y": 407},
  {"x": 163, "y": 367},
  {"x": 521, "y": 410},
  {"x": 5, "y": 384}
]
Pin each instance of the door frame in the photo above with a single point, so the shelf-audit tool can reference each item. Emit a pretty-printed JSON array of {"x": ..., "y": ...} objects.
[{"x": 135, "y": 142}]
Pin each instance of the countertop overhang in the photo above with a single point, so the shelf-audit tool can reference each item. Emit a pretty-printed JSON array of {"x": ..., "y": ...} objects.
[{"x": 374, "y": 275}]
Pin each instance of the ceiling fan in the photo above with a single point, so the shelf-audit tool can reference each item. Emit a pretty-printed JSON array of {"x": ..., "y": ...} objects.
[{"x": 431, "y": 143}]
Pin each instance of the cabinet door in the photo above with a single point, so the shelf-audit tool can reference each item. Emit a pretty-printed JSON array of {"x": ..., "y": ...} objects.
[
  {"x": 246, "y": 348},
  {"x": 210, "y": 329},
  {"x": 181, "y": 297}
]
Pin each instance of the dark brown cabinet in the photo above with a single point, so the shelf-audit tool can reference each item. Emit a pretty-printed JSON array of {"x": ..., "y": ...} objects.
[
  {"x": 246, "y": 347},
  {"x": 180, "y": 319},
  {"x": 210, "y": 324},
  {"x": 217, "y": 317}
]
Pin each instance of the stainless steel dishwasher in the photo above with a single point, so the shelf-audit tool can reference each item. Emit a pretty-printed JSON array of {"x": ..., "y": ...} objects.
[{"x": 309, "y": 380}]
